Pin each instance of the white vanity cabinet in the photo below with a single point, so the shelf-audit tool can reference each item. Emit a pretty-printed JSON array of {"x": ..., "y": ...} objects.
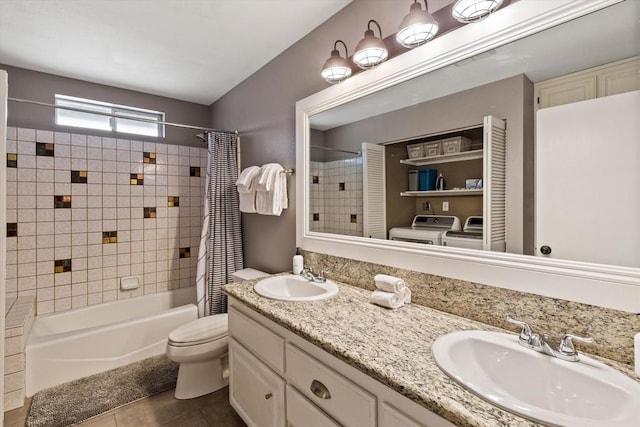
[{"x": 280, "y": 379}]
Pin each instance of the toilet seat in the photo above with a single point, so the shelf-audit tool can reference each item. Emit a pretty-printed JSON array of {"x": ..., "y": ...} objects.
[{"x": 200, "y": 331}]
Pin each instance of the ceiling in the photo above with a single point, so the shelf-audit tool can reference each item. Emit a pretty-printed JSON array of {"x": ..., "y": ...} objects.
[{"x": 192, "y": 50}]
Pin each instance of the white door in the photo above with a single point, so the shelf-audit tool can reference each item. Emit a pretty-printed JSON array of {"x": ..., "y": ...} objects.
[
  {"x": 373, "y": 191},
  {"x": 579, "y": 215},
  {"x": 255, "y": 391},
  {"x": 494, "y": 224}
]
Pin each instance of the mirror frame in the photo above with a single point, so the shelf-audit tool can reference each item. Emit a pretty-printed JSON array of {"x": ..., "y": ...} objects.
[{"x": 596, "y": 284}]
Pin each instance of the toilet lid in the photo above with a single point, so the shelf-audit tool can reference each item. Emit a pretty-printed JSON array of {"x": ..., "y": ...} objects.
[{"x": 199, "y": 331}]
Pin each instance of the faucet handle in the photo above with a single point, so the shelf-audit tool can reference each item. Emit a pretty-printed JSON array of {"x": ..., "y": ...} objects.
[
  {"x": 526, "y": 333},
  {"x": 566, "y": 347}
]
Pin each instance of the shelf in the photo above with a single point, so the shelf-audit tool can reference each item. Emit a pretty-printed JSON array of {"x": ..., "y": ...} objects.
[
  {"x": 443, "y": 193},
  {"x": 445, "y": 158}
]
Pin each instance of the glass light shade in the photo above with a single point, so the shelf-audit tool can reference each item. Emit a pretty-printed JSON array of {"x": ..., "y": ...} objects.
[
  {"x": 336, "y": 68},
  {"x": 417, "y": 28},
  {"x": 467, "y": 11},
  {"x": 370, "y": 52}
]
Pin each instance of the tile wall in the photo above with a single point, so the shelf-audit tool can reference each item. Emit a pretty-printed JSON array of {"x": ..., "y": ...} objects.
[
  {"x": 336, "y": 196},
  {"x": 84, "y": 211}
]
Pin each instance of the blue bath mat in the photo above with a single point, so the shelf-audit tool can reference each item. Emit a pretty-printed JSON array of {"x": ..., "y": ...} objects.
[{"x": 76, "y": 401}]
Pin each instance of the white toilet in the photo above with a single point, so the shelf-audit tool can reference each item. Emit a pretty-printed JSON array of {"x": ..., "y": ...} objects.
[{"x": 201, "y": 347}]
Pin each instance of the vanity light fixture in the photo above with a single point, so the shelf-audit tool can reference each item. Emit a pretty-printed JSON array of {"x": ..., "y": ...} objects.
[
  {"x": 418, "y": 27},
  {"x": 336, "y": 68},
  {"x": 371, "y": 50},
  {"x": 467, "y": 11}
]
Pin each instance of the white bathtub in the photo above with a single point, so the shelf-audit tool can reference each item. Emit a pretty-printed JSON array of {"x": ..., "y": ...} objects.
[{"x": 73, "y": 344}]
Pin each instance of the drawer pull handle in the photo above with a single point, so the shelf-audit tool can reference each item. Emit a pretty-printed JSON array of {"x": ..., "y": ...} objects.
[
  {"x": 268, "y": 396},
  {"x": 320, "y": 390}
]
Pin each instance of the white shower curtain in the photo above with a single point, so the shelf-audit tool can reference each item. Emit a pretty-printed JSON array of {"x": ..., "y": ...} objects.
[{"x": 220, "y": 251}]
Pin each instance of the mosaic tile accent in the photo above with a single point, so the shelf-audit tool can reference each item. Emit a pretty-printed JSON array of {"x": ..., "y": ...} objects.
[
  {"x": 354, "y": 218},
  {"x": 149, "y": 212},
  {"x": 62, "y": 265},
  {"x": 62, "y": 202},
  {"x": 12, "y": 229},
  {"x": 149, "y": 158},
  {"x": 12, "y": 160},
  {"x": 137, "y": 179},
  {"x": 194, "y": 171},
  {"x": 316, "y": 217},
  {"x": 109, "y": 237},
  {"x": 185, "y": 252},
  {"x": 315, "y": 179},
  {"x": 173, "y": 201},
  {"x": 79, "y": 177},
  {"x": 341, "y": 186},
  {"x": 44, "y": 149}
]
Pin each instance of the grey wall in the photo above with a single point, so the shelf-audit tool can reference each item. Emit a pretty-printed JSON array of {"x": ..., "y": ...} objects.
[
  {"x": 42, "y": 87},
  {"x": 262, "y": 108}
]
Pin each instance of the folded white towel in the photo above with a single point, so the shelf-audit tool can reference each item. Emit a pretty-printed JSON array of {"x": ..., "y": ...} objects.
[
  {"x": 387, "y": 299},
  {"x": 389, "y": 283},
  {"x": 271, "y": 190},
  {"x": 246, "y": 181},
  {"x": 406, "y": 294}
]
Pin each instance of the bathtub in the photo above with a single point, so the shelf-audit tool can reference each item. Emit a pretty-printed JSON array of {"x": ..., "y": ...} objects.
[{"x": 73, "y": 344}]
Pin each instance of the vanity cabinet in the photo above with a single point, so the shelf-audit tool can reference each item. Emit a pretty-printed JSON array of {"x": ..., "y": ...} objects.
[{"x": 279, "y": 379}]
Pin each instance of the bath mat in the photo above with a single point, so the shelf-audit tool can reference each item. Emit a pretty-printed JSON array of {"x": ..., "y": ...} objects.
[{"x": 69, "y": 403}]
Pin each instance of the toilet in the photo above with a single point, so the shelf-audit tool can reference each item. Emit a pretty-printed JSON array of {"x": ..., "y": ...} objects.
[{"x": 201, "y": 347}]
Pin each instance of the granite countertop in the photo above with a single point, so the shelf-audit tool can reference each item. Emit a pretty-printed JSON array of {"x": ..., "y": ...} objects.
[{"x": 391, "y": 346}]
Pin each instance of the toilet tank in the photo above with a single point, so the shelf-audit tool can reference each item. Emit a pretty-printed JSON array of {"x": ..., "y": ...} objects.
[{"x": 248, "y": 274}]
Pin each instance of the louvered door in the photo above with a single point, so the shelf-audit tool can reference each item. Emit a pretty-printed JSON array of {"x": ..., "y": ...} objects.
[
  {"x": 373, "y": 191},
  {"x": 494, "y": 188}
]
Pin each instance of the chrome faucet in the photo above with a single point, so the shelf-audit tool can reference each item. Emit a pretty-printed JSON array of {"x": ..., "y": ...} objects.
[
  {"x": 540, "y": 343},
  {"x": 308, "y": 274}
]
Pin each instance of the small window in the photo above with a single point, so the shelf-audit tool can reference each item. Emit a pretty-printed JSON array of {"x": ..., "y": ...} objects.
[{"x": 129, "y": 119}]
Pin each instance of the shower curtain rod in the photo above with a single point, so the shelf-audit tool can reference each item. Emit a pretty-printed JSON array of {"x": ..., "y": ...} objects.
[
  {"x": 139, "y": 119},
  {"x": 336, "y": 149}
]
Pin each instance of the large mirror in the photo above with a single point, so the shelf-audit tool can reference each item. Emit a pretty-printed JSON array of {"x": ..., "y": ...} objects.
[{"x": 450, "y": 103}]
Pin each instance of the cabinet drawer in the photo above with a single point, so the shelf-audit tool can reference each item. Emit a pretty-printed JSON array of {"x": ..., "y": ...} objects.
[
  {"x": 302, "y": 413},
  {"x": 391, "y": 417},
  {"x": 340, "y": 398},
  {"x": 261, "y": 341},
  {"x": 255, "y": 391}
]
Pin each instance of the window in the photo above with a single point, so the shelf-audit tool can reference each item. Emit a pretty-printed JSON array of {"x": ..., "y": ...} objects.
[{"x": 127, "y": 120}]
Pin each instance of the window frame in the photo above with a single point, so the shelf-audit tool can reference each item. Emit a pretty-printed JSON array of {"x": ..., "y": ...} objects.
[{"x": 115, "y": 112}]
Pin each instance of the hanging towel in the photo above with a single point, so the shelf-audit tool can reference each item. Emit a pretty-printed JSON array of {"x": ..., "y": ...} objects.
[
  {"x": 271, "y": 190},
  {"x": 387, "y": 299},
  {"x": 246, "y": 185}
]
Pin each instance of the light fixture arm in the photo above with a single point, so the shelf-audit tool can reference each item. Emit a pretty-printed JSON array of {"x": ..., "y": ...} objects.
[
  {"x": 346, "y": 50},
  {"x": 377, "y": 25}
]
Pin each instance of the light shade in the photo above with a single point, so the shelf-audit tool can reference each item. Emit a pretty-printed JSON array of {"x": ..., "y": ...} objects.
[
  {"x": 467, "y": 11},
  {"x": 418, "y": 27},
  {"x": 336, "y": 68},
  {"x": 371, "y": 50}
]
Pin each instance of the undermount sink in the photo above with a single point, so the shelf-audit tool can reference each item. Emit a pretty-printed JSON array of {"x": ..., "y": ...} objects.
[
  {"x": 536, "y": 386},
  {"x": 292, "y": 287}
]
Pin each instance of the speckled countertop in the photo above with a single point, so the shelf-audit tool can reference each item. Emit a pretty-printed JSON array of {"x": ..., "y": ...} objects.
[{"x": 391, "y": 346}]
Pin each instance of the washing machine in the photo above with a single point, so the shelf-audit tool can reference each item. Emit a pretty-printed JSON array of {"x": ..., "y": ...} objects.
[
  {"x": 426, "y": 229},
  {"x": 470, "y": 237}
]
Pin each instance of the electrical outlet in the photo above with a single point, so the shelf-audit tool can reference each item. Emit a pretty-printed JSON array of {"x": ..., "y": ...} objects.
[
  {"x": 426, "y": 206},
  {"x": 445, "y": 206}
]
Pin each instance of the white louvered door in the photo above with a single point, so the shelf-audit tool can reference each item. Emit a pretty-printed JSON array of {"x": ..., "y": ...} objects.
[
  {"x": 373, "y": 191},
  {"x": 494, "y": 188}
]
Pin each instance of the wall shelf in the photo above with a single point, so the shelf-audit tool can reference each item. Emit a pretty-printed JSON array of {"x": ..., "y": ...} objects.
[
  {"x": 445, "y": 158},
  {"x": 443, "y": 193}
]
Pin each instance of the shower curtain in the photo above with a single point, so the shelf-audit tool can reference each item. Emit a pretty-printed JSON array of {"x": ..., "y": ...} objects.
[{"x": 220, "y": 252}]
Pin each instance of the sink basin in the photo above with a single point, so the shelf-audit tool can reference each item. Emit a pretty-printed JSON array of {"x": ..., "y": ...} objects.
[
  {"x": 538, "y": 387},
  {"x": 295, "y": 288}
]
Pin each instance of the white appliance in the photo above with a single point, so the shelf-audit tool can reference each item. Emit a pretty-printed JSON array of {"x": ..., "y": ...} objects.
[
  {"x": 426, "y": 229},
  {"x": 469, "y": 238}
]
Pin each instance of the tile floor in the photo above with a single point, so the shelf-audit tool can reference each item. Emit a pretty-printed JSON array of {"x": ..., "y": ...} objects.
[{"x": 212, "y": 410}]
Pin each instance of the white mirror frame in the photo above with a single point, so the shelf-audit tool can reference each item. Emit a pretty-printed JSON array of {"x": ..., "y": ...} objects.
[{"x": 601, "y": 285}]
